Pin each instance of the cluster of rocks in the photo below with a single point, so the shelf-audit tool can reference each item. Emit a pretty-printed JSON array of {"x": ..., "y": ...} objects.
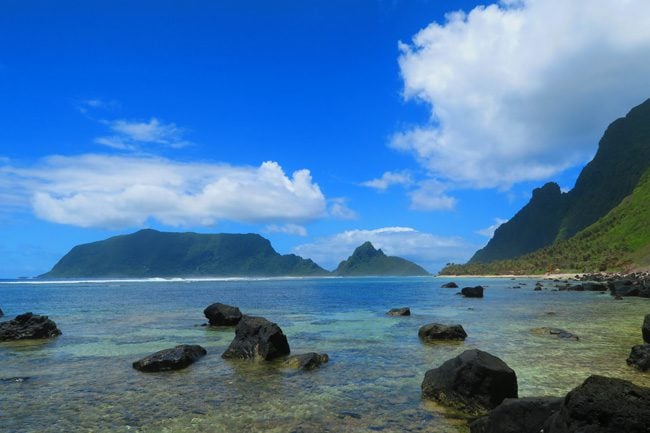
[
  {"x": 634, "y": 284},
  {"x": 256, "y": 338},
  {"x": 482, "y": 384}
]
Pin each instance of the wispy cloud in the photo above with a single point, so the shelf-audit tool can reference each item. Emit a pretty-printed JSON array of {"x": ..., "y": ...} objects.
[
  {"x": 287, "y": 229},
  {"x": 389, "y": 179},
  {"x": 119, "y": 192},
  {"x": 426, "y": 249},
  {"x": 130, "y": 135},
  {"x": 489, "y": 231},
  {"x": 523, "y": 89},
  {"x": 431, "y": 195},
  {"x": 339, "y": 209}
]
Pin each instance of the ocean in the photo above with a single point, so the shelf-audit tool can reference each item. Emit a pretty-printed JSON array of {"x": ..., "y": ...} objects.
[{"x": 83, "y": 381}]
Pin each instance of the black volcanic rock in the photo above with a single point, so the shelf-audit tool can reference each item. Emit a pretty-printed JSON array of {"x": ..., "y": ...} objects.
[
  {"x": 450, "y": 285},
  {"x": 645, "y": 329},
  {"x": 404, "y": 311},
  {"x": 222, "y": 315},
  {"x": 472, "y": 292},
  {"x": 517, "y": 415},
  {"x": 603, "y": 405},
  {"x": 436, "y": 332},
  {"x": 1, "y": 313},
  {"x": 28, "y": 326},
  {"x": 474, "y": 381},
  {"x": 640, "y": 357},
  {"x": 307, "y": 361},
  {"x": 150, "y": 253},
  {"x": 368, "y": 261},
  {"x": 555, "y": 332},
  {"x": 176, "y": 358},
  {"x": 257, "y": 338}
]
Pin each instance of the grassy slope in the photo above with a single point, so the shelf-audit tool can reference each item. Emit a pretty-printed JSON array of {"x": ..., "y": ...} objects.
[{"x": 618, "y": 241}]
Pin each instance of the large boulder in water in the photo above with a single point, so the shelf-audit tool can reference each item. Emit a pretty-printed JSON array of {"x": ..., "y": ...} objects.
[
  {"x": 222, "y": 315},
  {"x": 645, "y": 329},
  {"x": 257, "y": 338},
  {"x": 472, "y": 292},
  {"x": 474, "y": 381},
  {"x": 603, "y": 405},
  {"x": 450, "y": 285},
  {"x": 307, "y": 361},
  {"x": 517, "y": 415},
  {"x": 640, "y": 357},
  {"x": 170, "y": 359},
  {"x": 28, "y": 326},
  {"x": 436, "y": 332}
]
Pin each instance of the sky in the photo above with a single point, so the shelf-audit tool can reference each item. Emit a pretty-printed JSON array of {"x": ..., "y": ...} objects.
[{"x": 418, "y": 125}]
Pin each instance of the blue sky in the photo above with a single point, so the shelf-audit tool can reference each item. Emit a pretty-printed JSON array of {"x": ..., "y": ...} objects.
[{"x": 417, "y": 125}]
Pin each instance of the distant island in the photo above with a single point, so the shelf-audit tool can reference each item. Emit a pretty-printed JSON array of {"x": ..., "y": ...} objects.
[
  {"x": 150, "y": 253},
  {"x": 368, "y": 261}
]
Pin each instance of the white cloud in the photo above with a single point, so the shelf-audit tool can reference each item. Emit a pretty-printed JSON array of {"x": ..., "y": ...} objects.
[
  {"x": 425, "y": 249},
  {"x": 489, "y": 231},
  {"x": 130, "y": 134},
  {"x": 523, "y": 89},
  {"x": 430, "y": 195},
  {"x": 117, "y": 192},
  {"x": 339, "y": 209},
  {"x": 287, "y": 229},
  {"x": 388, "y": 179}
]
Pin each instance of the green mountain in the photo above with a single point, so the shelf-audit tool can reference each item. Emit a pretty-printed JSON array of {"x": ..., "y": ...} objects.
[
  {"x": 368, "y": 261},
  {"x": 619, "y": 241},
  {"x": 623, "y": 156},
  {"x": 150, "y": 253}
]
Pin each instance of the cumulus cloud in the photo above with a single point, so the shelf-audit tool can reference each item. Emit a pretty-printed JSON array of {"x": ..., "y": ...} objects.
[
  {"x": 489, "y": 231},
  {"x": 523, "y": 89},
  {"x": 425, "y": 249},
  {"x": 129, "y": 135},
  {"x": 287, "y": 229},
  {"x": 389, "y": 179},
  {"x": 118, "y": 192}
]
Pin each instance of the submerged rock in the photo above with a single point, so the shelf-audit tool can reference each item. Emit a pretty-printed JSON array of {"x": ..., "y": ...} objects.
[
  {"x": 222, "y": 315},
  {"x": 450, "y": 285},
  {"x": 176, "y": 358},
  {"x": 405, "y": 311},
  {"x": 436, "y": 331},
  {"x": 640, "y": 357},
  {"x": 257, "y": 338},
  {"x": 474, "y": 381},
  {"x": 517, "y": 415},
  {"x": 603, "y": 405},
  {"x": 28, "y": 326},
  {"x": 307, "y": 361},
  {"x": 472, "y": 292},
  {"x": 555, "y": 332},
  {"x": 1, "y": 313},
  {"x": 645, "y": 329}
]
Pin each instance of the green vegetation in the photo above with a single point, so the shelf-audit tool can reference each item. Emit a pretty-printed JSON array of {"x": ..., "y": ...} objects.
[
  {"x": 622, "y": 158},
  {"x": 150, "y": 253},
  {"x": 366, "y": 260},
  {"x": 620, "y": 241}
]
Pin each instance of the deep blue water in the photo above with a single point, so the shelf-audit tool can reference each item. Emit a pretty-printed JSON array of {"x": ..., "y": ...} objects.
[{"x": 83, "y": 380}]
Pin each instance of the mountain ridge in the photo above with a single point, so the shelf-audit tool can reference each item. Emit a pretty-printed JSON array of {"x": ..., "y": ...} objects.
[{"x": 368, "y": 261}]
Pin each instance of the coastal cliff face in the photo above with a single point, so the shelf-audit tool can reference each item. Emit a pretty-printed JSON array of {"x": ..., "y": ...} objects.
[
  {"x": 622, "y": 158},
  {"x": 150, "y": 253},
  {"x": 368, "y": 261}
]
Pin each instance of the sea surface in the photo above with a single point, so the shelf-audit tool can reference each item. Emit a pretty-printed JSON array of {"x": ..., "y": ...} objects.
[{"x": 83, "y": 381}]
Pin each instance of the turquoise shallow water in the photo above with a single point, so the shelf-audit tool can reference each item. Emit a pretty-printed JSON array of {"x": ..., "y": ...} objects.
[{"x": 83, "y": 380}]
